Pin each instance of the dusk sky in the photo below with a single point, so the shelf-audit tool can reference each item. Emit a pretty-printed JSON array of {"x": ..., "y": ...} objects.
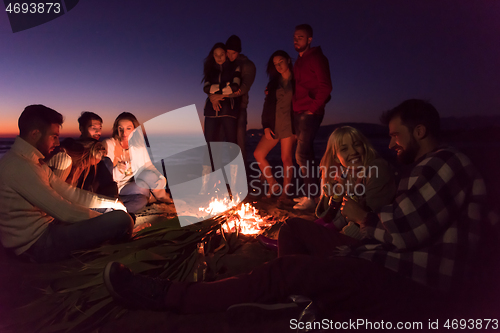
[{"x": 146, "y": 57}]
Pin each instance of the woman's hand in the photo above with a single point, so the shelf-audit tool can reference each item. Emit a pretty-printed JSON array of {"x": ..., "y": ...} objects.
[
  {"x": 352, "y": 211},
  {"x": 269, "y": 134},
  {"x": 122, "y": 166}
]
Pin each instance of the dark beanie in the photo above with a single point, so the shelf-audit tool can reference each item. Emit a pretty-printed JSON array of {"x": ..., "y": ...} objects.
[{"x": 234, "y": 43}]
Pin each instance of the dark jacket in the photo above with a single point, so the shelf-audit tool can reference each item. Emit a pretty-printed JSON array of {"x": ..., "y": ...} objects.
[
  {"x": 221, "y": 76},
  {"x": 269, "y": 110},
  {"x": 313, "y": 83},
  {"x": 248, "y": 72}
]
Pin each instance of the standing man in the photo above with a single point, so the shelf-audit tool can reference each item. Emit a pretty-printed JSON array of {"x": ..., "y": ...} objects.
[
  {"x": 42, "y": 218},
  {"x": 233, "y": 46},
  {"x": 313, "y": 85}
]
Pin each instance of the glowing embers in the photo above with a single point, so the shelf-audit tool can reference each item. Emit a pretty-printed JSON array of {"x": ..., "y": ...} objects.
[{"x": 243, "y": 218}]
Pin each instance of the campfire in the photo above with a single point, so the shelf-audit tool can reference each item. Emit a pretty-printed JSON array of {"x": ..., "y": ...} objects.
[{"x": 243, "y": 218}]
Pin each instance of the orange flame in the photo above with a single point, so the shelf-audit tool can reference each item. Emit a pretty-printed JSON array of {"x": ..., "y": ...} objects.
[{"x": 244, "y": 219}]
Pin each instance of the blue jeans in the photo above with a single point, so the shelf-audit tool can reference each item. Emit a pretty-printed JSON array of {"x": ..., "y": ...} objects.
[
  {"x": 60, "y": 239},
  {"x": 306, "y": 128},
  {"x": 219, "y": 129},
  {"x": 134, "y": 197}
]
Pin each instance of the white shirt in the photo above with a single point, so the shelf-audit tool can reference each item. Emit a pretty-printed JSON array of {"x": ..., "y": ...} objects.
[{"x": 31, "y": 197}]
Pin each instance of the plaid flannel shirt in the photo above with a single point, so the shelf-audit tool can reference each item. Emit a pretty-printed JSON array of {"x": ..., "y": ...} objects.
[{"x": 430, "y": 232}]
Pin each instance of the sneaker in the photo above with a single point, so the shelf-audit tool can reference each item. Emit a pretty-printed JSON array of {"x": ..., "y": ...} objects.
[
  {"x": 135, "y": 290},
  {"x": 306, "y": 204},
  {"x": 268, "y": 243}
]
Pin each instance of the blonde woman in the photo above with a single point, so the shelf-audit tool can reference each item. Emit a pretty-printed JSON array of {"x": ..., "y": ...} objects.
[
  {"x": 82, "y": 163},
  {"x": 352, "y": 167}
]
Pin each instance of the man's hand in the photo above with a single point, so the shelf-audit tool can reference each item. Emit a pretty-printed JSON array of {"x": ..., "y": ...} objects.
[
  {"x": 352, "y": 211},
  {"x": 215, "y": 99},
  {"x": 237, "y": 93},
  {"x": 269, "y": 134}
]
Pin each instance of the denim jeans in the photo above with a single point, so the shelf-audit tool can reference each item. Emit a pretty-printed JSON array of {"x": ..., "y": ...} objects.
[
  {"x": 134, "y": 197},
  {"x": 60, "y": 239},
  {"x": 218, "y": 129},
  {"x": 306, "y": 128}
]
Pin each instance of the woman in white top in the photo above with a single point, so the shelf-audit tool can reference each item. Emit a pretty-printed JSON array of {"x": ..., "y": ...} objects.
[{"x": 139, "y": 182}]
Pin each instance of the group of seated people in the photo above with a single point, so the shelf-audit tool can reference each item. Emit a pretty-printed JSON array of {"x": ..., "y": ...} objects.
[
  {"x": 421, "y": 236},
  {"x": 111, "y": 168}
]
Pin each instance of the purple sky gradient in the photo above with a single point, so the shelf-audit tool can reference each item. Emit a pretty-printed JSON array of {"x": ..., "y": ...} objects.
[{"x": 146, "y": 57}]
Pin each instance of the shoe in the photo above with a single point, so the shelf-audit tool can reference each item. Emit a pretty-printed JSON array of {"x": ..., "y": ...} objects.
[
  {"x": 268, "y": 243},
  {"x": 300, "y": 200},
  {"x": 137, "y": 291},
  {"x": 306, "y": 204}
]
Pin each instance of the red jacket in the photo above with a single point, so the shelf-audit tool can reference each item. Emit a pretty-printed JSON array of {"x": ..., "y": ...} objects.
[{"x": 313, "y": 83}]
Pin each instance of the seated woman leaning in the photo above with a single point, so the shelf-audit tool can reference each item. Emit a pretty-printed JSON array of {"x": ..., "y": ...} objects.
[
  {"x": 83, "y": 164},
  {"x": 139, "y": 182},
  {"x": 351, "y": 167}
]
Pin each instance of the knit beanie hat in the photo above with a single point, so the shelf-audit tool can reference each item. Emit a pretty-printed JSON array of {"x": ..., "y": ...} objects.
[{"x": 234, "y": 43}]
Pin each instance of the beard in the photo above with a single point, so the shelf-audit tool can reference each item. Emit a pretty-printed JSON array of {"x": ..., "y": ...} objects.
[
  {"x": 301, "y": 49},
  {"x": 407, "y": 156}
]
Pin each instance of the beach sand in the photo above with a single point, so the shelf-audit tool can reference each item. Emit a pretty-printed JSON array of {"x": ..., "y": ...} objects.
[{"x": 18, "y": 289}]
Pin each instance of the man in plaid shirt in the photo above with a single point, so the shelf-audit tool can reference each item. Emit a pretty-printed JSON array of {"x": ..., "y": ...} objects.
[
  {"x": 431, "y": 230},
  {"x": 422, "y": 242}
]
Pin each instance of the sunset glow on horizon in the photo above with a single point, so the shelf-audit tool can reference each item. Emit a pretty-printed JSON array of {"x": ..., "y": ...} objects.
[{"x": 147, "y": 57}]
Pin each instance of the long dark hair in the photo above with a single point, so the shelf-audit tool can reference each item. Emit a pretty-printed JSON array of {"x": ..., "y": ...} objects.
[
  {"x": 271, "y": 71},
  {"x": 121, "y": 116},
  {"x": 209, "y": 63}
]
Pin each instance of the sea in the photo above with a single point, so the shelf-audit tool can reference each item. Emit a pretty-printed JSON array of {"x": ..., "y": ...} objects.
[{"x": 480, "y": 144}]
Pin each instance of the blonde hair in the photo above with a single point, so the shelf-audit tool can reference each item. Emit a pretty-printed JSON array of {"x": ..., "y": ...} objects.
[
  {"x": 329, "y": 160},
  {"x": 81, "y": 160}
]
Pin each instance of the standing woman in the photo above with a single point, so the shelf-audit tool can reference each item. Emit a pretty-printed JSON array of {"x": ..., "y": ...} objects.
[
  {"x": 138, "y": 180},
  {"x": 220, "y": 76},
  {"x": 277, "y": 122}
]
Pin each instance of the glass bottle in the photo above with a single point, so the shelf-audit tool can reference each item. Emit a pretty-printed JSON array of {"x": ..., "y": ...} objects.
[{"x": 200, "y": 268}]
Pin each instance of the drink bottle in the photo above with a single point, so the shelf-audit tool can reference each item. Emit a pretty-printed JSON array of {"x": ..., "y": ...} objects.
[{"x": 200, "y": 268}]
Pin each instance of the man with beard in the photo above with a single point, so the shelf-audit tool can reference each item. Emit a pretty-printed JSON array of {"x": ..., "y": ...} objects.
[
  {"x": 423, "y": 243},
  {"x": 313, "y": 85},
  {"x": 90, "y": 125},
  {"x": 42, "y": 218},
  {"x": 98, "y": 178}
]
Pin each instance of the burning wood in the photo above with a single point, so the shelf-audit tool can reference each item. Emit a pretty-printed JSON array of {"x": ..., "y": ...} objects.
[{"x": 243, "y": 218}]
